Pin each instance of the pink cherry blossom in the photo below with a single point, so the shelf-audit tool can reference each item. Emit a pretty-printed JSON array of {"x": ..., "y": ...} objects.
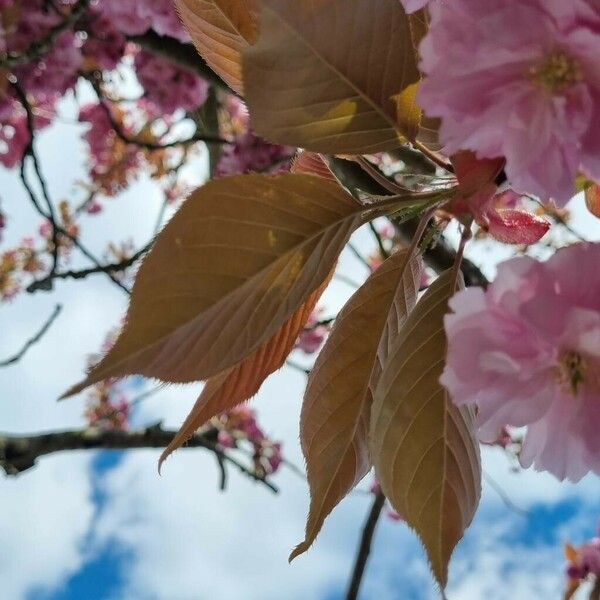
[
  {"x": 54, "y": 73},
  {"x": 167, "y": 86},
  {"x": 313, "y": 335},
  {"x": 105, "y": 45},
  {"x": 527, "y": 352},
  {"x": 503, "y": 91},
  {"x": 137, "y": 16},
  {"x": 251, "y": 153},
  {"x": 107, "y": 151}
]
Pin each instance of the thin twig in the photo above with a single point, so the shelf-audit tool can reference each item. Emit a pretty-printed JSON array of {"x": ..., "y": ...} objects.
[
  {"x": 56, "y": 228},
  {"x": 83, "y": 273},
  {"x": 30, "y": 151},
  {"x": 504, "y": 496},
  {"x": 297, "y": 367},
  {"x": 379, "y": 240},
  {"x": 358, "y": 255},
  {"x": 136, "y": 141},
  {"x": 364, "y": 549},
  {"x": 33, "y": 340}
]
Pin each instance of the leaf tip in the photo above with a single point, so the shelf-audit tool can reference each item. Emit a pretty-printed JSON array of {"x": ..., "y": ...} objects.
[
  {"x": 164, "y": 455},
  {"x": 75, "y": 389},
  {"x": 301, "y": 548}
]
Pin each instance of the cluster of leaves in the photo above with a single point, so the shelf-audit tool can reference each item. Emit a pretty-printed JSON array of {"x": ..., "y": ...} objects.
[{"x": 234, "y": 276}]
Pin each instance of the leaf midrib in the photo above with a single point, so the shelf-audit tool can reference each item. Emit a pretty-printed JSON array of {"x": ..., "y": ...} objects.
[{"x": 377, "y": 109}]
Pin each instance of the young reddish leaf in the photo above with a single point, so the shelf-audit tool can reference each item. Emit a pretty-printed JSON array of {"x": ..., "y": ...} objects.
[
  {"x": 237, "y": 384},
  {"x": 312, "y": 164},
  {"x": 220, "y": 30},
  {"x": 592, "y": 198},
  {"x": 425, "y": 454},
  {"x": 335, "y": 414},
  {"x": 231, "y": 267},
  {"x": 512, "y": 226},
  {"x": 307, "y": 86},
  {"x": 474, "y": 173}
]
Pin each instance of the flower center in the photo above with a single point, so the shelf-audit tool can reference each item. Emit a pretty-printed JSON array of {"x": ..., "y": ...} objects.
[
  {"x": 557, "y": 72},
  {"x": 571, "y": 371}
]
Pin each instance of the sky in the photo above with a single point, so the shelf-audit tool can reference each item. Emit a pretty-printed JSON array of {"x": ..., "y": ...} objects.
[{"x": 105, "y": 526}]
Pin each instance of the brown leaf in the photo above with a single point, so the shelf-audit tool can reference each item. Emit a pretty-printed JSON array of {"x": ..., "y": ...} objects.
[
  {"x": 335, "y": 416},
  {"x": 220, "y": 30},
  {"x": 231, "y": 267},
  {"x": 324, "y": 75},
  {"x": 425, "y": 454},
  {"x": 312, "y": 164},
  {"x": 237, "y": 384}
]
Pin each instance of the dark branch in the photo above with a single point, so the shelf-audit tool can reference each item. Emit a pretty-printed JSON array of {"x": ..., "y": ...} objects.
[
  {"x": 30, "y": 152},
  {"x": 36, "y": 338},
  {"x": 45, "y": 283},
  {"x": 364, "y": 549},
  {"x": 20, "y": 453},
  {"x": 441, "y": 257}
]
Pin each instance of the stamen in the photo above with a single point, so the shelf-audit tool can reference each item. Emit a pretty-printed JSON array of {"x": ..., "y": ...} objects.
[
  {"x": 572, "y": 371},
  {"x": 557, "y": 72}
]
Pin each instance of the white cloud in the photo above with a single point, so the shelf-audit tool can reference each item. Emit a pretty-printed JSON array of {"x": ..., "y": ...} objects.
[{"x": 46, "y": 516}]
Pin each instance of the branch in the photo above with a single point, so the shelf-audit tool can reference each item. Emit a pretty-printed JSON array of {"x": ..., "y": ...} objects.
[
  {"x": 36, "y": 338},
  {"x": 30, "y": 151},
  {"x": 45, "y": 283},
  {"x": 364, "y": 549},
  {"x": 43, "y": 46},
  {"x": 136, "y": 141},
  {"x": 20, "y": 453},
  {"x": 441, "y": 257}
]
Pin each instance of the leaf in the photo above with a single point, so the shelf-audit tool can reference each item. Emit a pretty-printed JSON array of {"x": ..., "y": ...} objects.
[
  {"x": 335, "y": 415},
  {"x": 513, "y": 226},
  {"x": 425, "y": 454},
  {"x": 311, "y": 163},
  {"x": 323, "y": 75},
  {"x": 474, "y": 173},
  {"x": 220, "y": 30},
  {"x": 231, "y": 267},
  {"x": 239, "y": 383}
]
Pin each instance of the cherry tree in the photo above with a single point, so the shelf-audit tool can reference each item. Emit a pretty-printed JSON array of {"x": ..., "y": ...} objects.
[{"x": 414, "y": 119}]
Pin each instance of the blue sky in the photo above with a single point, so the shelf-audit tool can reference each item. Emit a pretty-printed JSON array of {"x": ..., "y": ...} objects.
[{"x": 104, "y": 526}]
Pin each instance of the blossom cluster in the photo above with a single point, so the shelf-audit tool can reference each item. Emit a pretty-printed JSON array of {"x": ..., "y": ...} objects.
[
  {"x": 247, "y": 152},
  {"x": 238, "y": 427},
  {"x": 45, "y": 66},
  {"x": 315, "y": 332}
]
